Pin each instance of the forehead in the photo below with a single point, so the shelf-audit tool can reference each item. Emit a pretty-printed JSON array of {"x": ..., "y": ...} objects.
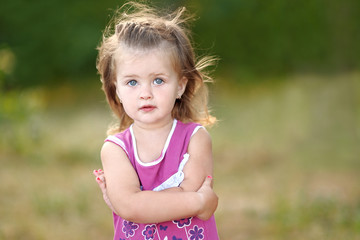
[{"x": 161, "y": 56}]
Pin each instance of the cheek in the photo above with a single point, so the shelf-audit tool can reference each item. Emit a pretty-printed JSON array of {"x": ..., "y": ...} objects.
[
  {"x": 126, "y": 99},
  {"x": 129, "y": 107},
  {"x": 121, "y": 93},
  {"x": 170, "y": 100},
  {"x": 169, "y": 95}
]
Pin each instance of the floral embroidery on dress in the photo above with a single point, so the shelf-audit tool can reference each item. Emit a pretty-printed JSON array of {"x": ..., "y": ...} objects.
[
  {"x": 129, "y": 228},
  {"x": 174, "y": 238},
  {"x": 196, "y": 233},
  {"x": 183, "y": 222},
  {"x": 163, "y": 228},
  {"x": 149, "y": 232}
]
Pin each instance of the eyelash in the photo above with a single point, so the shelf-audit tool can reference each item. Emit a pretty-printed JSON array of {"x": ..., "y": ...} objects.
[
  {"x": 133, "y": 82},
  {"x": 162, "y": 81}
]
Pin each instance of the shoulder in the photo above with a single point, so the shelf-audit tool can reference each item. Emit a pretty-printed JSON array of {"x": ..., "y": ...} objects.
[
  {"x": 200, "y": 137},
  {"x": 124, "y": 135},
  {"x": 189, "y": 128},
  {"x": 116, "y": 146},
  {"x": 122, "y": 140},
  {"x": 187, "y": 124},
  {"x": 111, "y": 150},
  {"x": 200, "y": 144},
  {"x": 195, "y": 131}
]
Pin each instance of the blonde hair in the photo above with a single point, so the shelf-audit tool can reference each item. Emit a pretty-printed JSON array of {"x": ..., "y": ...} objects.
[{"x": 139, "y": 26}]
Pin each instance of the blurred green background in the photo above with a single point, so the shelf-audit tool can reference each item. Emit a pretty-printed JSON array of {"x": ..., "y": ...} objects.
[{"x": 287, "y": 96}]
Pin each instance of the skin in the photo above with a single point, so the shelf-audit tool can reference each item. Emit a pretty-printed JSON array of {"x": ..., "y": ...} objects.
[{"x": 148, "y": 86}]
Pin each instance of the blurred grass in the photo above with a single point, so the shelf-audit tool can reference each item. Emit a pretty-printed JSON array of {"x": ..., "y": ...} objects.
[{"x": 286, "y": 160}]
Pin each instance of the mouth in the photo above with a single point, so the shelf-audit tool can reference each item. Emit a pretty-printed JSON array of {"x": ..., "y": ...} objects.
[{"x": 147, "y": 108}]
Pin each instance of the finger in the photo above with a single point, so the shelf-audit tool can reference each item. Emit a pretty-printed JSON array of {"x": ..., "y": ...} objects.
[
  {"x": 100, "y": 178},
  {"x": 98, "y": 172},
  {"x": 102, "y": 184},
  {"x": 208, "y": 181}
]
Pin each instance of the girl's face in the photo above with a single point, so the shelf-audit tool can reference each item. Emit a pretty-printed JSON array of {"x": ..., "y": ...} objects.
[{"x": 148, "y": 86}]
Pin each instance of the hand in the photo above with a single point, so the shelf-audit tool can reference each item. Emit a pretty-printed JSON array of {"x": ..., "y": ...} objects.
[
  {"x": 209, "y": 199},
  {"x": 100, "y": 179}
]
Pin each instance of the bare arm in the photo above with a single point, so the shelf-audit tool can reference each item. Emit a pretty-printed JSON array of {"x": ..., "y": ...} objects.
[
  {"x": 123, "y": 190},
  {"x": 198, "y": 167},
  {"x": 200, "y": 163}
]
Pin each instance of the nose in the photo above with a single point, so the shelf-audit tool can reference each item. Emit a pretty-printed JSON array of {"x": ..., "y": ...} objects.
[{"x": 146, "y": 92}]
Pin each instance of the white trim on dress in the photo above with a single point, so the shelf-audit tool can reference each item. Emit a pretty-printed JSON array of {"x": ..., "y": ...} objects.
[
  {"x": 148, "y": 164},
  {"x": 118, "y": 142},
  {"x": 197, "y": 129}
]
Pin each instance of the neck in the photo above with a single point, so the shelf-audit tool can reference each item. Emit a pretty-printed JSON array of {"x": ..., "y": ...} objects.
[{"x": 147, "y": 129}]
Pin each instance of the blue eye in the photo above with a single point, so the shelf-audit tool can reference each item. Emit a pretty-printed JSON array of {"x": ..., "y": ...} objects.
[
  {"x": 132, "y": 83},
  {"x": 158, "y": 81}
]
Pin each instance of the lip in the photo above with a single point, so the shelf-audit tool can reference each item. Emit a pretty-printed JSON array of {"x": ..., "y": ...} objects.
[{"x": 147, "y": 108}]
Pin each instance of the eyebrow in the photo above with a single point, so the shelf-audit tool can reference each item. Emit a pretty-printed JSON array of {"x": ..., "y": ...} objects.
[
  {"x": 151, "y": 74},
  {"x": 159, "y": 74},
  {"x": 130, "y": 76}
]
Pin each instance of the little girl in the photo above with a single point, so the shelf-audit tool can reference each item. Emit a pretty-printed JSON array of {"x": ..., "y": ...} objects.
[{"x": 158, "y": 160}]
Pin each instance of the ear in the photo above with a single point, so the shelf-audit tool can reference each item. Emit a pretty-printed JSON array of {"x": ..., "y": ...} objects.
[{"x": 182, "y": 86}]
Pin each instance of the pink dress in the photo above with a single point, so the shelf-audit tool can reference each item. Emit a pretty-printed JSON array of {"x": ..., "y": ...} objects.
[{"x": 165, "y": 172}]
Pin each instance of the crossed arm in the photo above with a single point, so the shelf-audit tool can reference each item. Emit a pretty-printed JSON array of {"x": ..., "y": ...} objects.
[{"x": 194, "y": 197}]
